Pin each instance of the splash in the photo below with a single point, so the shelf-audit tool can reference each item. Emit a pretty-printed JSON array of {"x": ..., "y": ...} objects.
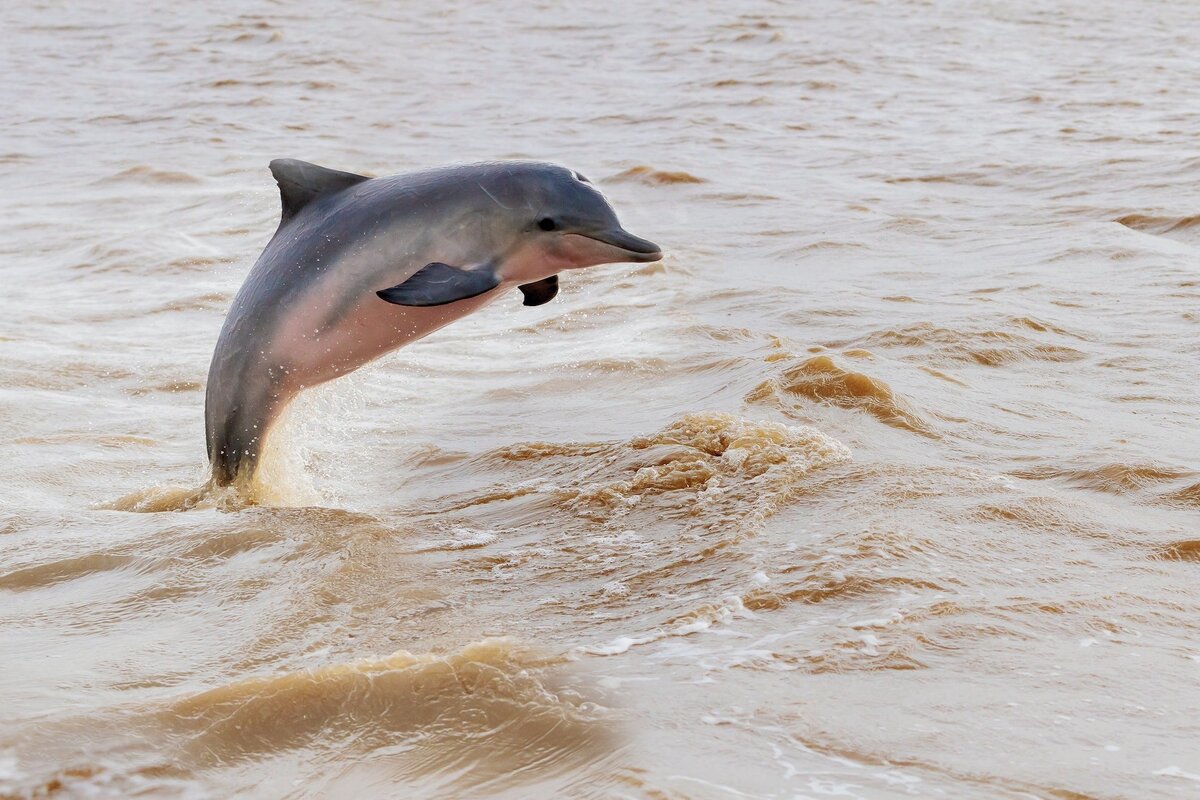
[
  {"x": 712, "y": 465},
  {"x": 282, "y": 479}
]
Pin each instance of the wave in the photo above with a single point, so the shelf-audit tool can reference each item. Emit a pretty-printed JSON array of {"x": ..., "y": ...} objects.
[
  {"x": 156, "y": 499},
  {"x": 710, "y": 465},
  {"x": 709, "y": 480},
  {"x": 1114, "y": 478},
  {"x": 1183, "y": 550},
  {"x": 1171, "y": 226},
  {"x": 655, "y": 177},
  {"x": 701, "y": 619},
  {"x": 50, "y": 573},
  {"x": 1188, "y": 495},
  {"x": 169, "y": 386},
  {"x": 821, "y": 380},
  {"x": 268, "y": 488},
  {"x": 965, "y": 178},
  {"x": 1153, "y": 483},
  {"x": 150, "y": 175},
  {"x": 990, "y": 348},
  {"x": 486, "y": 718},
  {"x": 493, "y": 702}
]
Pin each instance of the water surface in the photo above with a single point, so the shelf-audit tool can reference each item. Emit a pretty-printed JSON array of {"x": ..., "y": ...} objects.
[{"x": 885, "y": 483}]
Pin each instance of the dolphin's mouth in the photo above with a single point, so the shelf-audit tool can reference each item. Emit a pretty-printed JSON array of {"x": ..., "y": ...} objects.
[{"x": 635, "y": 247}]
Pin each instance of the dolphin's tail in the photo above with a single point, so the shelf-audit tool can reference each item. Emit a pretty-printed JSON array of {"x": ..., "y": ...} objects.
[
  {"x": 239, "y": 406},
  {"x": 233, "y": 448},
  {"x": 230, "y": 451}
]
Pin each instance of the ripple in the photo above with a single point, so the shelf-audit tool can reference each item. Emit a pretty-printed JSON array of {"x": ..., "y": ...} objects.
[
  {"x": 655, "y": 177},
  {"x": 146, "y": 174}
]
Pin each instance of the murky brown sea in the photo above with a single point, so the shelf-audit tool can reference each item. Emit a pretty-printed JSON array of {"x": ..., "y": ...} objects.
[{"x": 886, "y": 483}]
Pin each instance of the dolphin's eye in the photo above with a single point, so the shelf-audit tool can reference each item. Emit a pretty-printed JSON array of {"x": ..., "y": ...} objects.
[{"x": 546, "y": 224}]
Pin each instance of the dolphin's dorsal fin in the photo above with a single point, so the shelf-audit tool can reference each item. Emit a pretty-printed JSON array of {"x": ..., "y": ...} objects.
[{"x": 300, "y": 183}]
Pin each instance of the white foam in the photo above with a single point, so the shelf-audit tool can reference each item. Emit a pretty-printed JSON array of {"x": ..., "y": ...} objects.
[
  {"x": 894, "y": 616},
  {"x": 1177, "y": 772},
  {"x": 619, "y": 645},
  {"x": 614, "y": 589},
  {"x": 10, "y": 768},
  {"x": 467, "y": 538}
]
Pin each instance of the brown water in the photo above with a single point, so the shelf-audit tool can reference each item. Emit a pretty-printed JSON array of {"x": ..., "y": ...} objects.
[{"x": 886, "y": 483}]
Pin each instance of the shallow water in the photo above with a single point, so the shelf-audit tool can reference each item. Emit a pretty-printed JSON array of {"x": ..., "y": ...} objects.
[{"x": 884, "y": 484}]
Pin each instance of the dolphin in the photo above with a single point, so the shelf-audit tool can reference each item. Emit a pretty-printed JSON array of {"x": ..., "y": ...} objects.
[{"x": 361, "y": 266}]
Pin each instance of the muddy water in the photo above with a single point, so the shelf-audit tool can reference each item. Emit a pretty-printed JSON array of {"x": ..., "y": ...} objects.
[{"x": 885, "y": 483}]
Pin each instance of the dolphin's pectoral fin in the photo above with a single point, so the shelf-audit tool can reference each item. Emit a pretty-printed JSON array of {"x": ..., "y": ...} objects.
[
  {"x": 437, "y": 284},
  {"x": 540, "y": 292}
]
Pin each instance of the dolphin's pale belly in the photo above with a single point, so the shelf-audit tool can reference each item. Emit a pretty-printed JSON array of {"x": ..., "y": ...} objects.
[
  {"x": 316, "y": 350},
  {"x": 263, "y": 361}
]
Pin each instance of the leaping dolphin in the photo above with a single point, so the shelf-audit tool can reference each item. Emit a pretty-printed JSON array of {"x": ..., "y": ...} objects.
[{"x": 361, "y": 266}]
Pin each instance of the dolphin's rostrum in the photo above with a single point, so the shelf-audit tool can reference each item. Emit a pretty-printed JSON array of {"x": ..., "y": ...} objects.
[{"x": 360, "y": 266}]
